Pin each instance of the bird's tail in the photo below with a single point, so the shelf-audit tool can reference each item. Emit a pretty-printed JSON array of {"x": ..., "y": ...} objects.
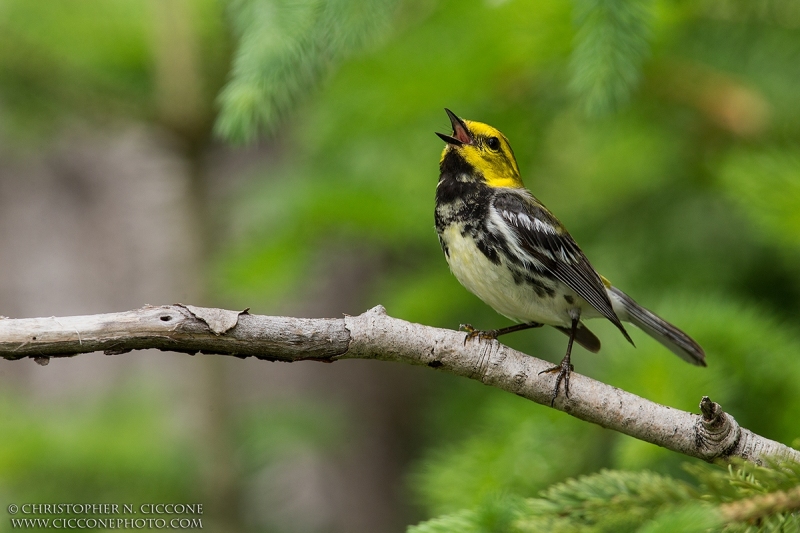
[{"x": 671, "y": 337}]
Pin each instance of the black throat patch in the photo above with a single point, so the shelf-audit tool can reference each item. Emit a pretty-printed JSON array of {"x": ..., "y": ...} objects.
[{"x": 462, "y": 197}]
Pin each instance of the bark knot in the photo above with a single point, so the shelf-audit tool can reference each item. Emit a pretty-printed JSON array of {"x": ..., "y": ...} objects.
[{"x": 716, "y": 432}]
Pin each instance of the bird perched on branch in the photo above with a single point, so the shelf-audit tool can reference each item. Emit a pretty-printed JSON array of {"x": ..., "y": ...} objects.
[{"x": 508, "y": 249}]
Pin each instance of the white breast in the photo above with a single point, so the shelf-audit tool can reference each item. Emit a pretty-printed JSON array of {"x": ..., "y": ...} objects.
[{"x": 495, "y": 285}]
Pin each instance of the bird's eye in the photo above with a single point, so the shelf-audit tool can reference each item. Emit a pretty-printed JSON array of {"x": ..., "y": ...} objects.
[{"x": 493, "y": 143}]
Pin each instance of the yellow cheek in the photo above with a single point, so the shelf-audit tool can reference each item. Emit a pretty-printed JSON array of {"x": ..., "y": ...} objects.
[
  {"x": 495, "y": 172},
  {"x": 503, "y": 181}
]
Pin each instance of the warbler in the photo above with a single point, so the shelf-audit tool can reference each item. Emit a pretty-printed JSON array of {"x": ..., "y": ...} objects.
[{"x": 508, "y": 249}]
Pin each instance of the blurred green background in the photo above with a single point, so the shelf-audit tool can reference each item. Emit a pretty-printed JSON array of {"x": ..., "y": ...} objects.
[{"x": 280, "y": 156}]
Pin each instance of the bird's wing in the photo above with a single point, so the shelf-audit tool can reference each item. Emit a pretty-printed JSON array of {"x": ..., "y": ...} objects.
[{"x": 550, "y": 247}]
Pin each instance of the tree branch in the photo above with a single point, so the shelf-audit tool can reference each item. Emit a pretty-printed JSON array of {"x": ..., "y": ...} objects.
[{"x": 713, "y": 435}]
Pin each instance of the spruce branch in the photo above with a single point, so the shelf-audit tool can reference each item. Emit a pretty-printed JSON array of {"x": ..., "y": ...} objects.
[
  {"x": 612, "y": 500},
  {"x": 284, "y": 49},
  {"x": 712, "y": 436},
  {"x": 610, "y": 45},
  {"x": 758, "y": 507}
]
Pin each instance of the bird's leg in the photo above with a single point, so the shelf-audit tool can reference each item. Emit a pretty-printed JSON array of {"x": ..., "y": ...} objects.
[
  {"x": 565, "y": 367},
  {"x": 492, "y": 334}
]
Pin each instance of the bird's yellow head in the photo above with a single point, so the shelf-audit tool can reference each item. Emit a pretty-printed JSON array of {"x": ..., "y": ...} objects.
[{"x": 484, "y": 149}]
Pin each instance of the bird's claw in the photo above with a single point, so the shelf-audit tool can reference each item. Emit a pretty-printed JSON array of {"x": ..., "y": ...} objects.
[
  {"x": 564, "y": 369},
  {"x": 472, "y": 333}
]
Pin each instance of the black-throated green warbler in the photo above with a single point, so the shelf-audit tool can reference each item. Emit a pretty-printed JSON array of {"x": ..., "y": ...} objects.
[{"x": 507, "y": 248}]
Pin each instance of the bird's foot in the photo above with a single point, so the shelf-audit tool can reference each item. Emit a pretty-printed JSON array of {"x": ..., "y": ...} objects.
[
  {"x": 564, "y": 369},
  {"x": 472, "y": 333}
]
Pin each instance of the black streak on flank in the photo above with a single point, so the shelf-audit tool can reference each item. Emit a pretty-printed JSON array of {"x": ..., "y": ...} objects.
[
  {"x": 488, "y": 251},
  {"x": 541, "y": 289},
  {"x": 444, "y": 247},
  {"x": 485, "y": 241}
]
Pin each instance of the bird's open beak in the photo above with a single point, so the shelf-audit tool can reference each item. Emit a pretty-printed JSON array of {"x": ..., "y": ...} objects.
[{"x": 461, "y": 135}]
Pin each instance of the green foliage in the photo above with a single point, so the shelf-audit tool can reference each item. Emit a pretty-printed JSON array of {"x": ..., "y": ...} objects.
[
  {"x": 766, "y": 186},
  {"x": 685, "y": 197},
  {"x": 610, "y": 45},
  {"x": 129, "y": 447},
  {"x": 645, "y": 502},
  {"x": 285, "y": 47},
  {"x": 496, "y": 515},
  {"x": 265, "y": 435},
  {"x": 667, "y": 197},
  {"x": 94, "y": 444},
  {"x": 689, "y": 518},
  {"x": 93, "y": 59},
  {"x": 516, "y": 448},
  {"x": 465, "y": 521}
]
